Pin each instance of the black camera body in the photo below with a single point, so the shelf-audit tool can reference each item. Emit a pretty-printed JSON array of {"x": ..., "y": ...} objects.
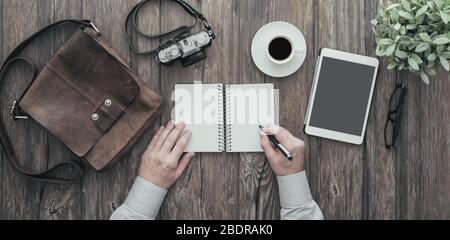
[{"x": 189, "y": 49}]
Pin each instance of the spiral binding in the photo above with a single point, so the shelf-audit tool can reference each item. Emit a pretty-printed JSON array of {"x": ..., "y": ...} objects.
[
  {"x": 224, "y": 121},
  {"x": 221, "y": 118},
  {"x": 228, "y": 120}
]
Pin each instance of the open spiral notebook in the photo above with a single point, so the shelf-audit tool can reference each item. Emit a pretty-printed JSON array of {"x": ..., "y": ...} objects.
[{"x": 225, "y": 118}]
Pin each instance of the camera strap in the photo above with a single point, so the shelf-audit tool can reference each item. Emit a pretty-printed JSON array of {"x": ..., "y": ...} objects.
[{"x": 179, "y": 32}]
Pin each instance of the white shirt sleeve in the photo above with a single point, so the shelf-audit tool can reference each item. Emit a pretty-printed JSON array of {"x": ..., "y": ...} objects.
[
  {"x": 296, "y": 199},
  {"x": 145, "y": 199},
  {"x": 143, "y": 202}
]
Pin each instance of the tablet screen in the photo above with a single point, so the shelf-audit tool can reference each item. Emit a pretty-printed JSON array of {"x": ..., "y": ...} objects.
[{"x": 342, "y": 96}]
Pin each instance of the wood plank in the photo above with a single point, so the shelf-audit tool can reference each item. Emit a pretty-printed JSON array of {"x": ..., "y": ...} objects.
[
  {"x": 61, "y": 201},
  {"x": 411, "y": 191},
  {"x": 220, "y": 171},
  {"x": 2, "y": 154},
  {"x": 253, "y": 15},
  {"x": 380, "y": 164},
  {"x": 103, "y": 192},
  {"x": 22, "y": 196},
  {"x": 294, "y": 90},
  {"x": 149, "y": 71},
  {"x": 341, "y": 26},
  {"x": 424, "y": 149},
  {"x": 184, "y": 200},
  {"x": 314, "y": 143},
  {"x": 435, "y": 136}
]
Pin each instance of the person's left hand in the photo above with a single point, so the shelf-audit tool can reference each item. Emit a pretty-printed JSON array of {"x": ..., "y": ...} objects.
[{"x": 163, "y": 162}]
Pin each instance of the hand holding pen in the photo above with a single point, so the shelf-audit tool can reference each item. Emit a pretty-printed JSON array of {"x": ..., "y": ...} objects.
[
  {"x": 284, "y": 151},
  {"x": 277, "y": 145}
]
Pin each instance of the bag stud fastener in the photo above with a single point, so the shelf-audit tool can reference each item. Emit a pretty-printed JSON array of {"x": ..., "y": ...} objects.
[{"x": 94, "y": 117}]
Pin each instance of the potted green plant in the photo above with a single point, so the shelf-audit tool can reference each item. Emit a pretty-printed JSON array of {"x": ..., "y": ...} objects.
[{"x": 414, "y": 35}]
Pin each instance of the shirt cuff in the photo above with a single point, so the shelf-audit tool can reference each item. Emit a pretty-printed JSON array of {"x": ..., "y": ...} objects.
[
  {"x": 294, "y": 190},
  {"x": 145, "y": 198}
]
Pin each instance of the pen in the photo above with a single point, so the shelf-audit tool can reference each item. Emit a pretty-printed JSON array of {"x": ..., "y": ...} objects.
[{"x": 278, "y": 146}]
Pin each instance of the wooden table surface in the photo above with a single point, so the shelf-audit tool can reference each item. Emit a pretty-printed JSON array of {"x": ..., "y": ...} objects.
[{"x": 348, "y": 182}]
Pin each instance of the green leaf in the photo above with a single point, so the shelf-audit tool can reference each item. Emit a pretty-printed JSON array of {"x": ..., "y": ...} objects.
[
  {"x": 444, "y": 63},
  {"x": 444, "y": 16},
  {"x": 413, "y": 64},
  {"x": 421, "y": 11},
  {"x": 403, "y": 30},
  {"x": 377, "y": 32},
  {"x": 392, "y": 6},
  {"x": 431, "y": 5},
  {"x": 440, "y": 49},
  {"x": 425, "y": 78},
  {"x": 431, "y": 16},
  {"x": 432, "y": 57},
  {"x": 397, "y": 26},
  {"x": 436, "y": 34},
  {"x": 446, "y": 55},
  {"x": 405, "y": 15},
  {"x": 390, "y": 50},
  {"x": 411, "y": 26},
  {"x": 438, "y": 3},
  {"x": 405, "y": 40},
  {"x": 420, "y": 19},
  {"x": 382, "y": 13},
  {"x": 374, "y": 22},
  {"x": 380, "y": 51},
  {"x": 422, "y": 47},
  {"x": 381, "y": 4},
  {"x": 441, "y": 41},
  {"x": 425, "y": 37},
  {"x": 406, "y": 5},
  {"x": 400, "y": 54},
  {"x": 392, "y": 65},
  {"x": 386, "y": 41},
  {"x": 394, "y": 15},
  {"x": 416, "y": 58}
]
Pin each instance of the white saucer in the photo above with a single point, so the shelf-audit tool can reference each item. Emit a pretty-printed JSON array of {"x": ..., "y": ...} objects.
[{"x": 261, "y": 41}]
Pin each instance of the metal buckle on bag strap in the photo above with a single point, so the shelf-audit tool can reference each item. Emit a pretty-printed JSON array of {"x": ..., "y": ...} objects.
[
  {"x": 89, "y": 23},
  {"x": 94, "y": 27},
  {"x": 16, "y": 113}
]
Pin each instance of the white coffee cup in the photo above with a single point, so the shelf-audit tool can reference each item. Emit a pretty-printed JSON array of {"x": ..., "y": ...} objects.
[{"x": 294, "y": 50}]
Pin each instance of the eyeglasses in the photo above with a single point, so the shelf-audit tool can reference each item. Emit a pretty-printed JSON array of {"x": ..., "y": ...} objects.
[{"x": 392, "y": 128}]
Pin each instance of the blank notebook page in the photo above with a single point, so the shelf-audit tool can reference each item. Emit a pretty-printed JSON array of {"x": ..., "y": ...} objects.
[
  {"x": 191, "y": 102},
  {"x": 245, "y": 113}
]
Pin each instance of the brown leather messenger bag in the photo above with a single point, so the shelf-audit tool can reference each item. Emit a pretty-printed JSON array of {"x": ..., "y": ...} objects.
[{"x": 87, "y": 97}]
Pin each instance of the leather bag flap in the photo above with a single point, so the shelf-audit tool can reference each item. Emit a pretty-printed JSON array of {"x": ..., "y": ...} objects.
[{"x": 81, "y": 92}]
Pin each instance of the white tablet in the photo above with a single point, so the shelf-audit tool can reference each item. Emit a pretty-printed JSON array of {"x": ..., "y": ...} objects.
[{"x": 341, "y": 96}]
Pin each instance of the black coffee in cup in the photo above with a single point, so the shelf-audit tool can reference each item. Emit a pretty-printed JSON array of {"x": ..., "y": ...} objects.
[{"x": 280, "y": 49}]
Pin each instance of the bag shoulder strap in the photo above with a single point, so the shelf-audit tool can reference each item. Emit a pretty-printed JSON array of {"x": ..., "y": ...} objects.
[{"x": 44, "y": 176}]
